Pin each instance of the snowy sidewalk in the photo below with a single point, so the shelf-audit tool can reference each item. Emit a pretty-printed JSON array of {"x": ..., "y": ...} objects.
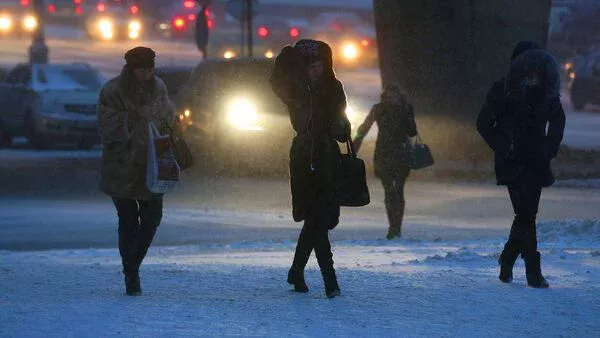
[{"x": 398, "y": 288}]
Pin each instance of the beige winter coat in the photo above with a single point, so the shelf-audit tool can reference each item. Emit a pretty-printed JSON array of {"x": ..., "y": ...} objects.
[{"x": 124, "y": 133}]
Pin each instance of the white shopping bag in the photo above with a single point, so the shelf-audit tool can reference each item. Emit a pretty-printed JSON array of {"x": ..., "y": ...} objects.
[{"x": 162, "y": 171}]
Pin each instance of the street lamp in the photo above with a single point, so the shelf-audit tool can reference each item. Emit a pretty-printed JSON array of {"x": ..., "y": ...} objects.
[{"x": 38, "y": 50}]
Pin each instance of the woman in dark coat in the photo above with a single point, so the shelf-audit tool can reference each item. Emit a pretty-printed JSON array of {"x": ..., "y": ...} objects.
[
  {"x": 304, "y": 80},
  {"x": 396, "y": 122},
  {"x": 523, "y": 121}
]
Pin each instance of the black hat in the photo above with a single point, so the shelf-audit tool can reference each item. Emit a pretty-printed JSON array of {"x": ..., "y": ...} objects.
[
  {"x": 313, "y": 51},
  {"x": 140, "y": 57}
]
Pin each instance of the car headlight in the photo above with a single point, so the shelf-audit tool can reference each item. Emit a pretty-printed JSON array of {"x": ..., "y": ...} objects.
[
  {"x": 243, "y": 114},
  {"x": 229, "y": 54},
  {"x": 269, "y": 54},
  {"x": 5, "y": 23},
  {"x": 105, "y": 26},
  {"x": 568, "y": 66},
  {"x": 135, "y": 26},
  {"x": 350, "y": 51},
  {"x": 134, "y": 29},
  {"x": 186, "y": 115},
  {"x": 30, "y": 23}
]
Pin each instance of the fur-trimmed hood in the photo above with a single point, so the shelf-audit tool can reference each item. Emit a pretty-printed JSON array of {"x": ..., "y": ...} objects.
[
  {"x": 289, "y": 79},
  {"x": 537, "y": 60}
]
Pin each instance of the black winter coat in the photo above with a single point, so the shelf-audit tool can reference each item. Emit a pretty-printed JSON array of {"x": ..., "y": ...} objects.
[
  {"x": 396, "y": 123},
  {"x": 317, "y": 114},
  {"x": 524, "y": 125}
]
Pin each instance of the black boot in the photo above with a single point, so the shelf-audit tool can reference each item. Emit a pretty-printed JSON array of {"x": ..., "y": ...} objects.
[
  {"x": 533, "y": 271},
  {"x": 507, "y": 262},
  {"x": 332, "y": 289},
  {"x": 132, "y": 284},
  {"x": 395, "y": 212},
  {"x": 506, "y": 275},
  {"x": 509, "y": 255},
  {"x": 296, "y": 278}
]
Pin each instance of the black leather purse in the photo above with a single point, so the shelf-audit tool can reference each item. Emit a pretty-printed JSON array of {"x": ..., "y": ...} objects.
[
  {"x": 420, "y": 155},
  {"x": 182, "y": 152},
  {"x": 352, "y": 180}
]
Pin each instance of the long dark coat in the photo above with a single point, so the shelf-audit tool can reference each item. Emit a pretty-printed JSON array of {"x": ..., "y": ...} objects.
[
  {"x": 317, "y": 114},
  {"x": 522, "y": 124},
  {"x": 396, "y": 123}
]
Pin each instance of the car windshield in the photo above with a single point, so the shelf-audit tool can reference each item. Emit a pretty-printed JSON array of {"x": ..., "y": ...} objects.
[{"x": 65, "y": 78}]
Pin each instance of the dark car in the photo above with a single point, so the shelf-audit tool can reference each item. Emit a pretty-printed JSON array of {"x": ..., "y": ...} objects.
[
  {"x": 174, "y": 18},
  {"x": 586, "y": 83},
  {"x": 174, "y": 78},
  {"x": 232, "y": 112},
  {"x": 352, "y": 39}
]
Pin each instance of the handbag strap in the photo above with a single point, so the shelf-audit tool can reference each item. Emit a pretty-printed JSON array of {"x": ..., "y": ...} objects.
[
  {"x": 350, "y": 148},
  {"x": 154, "y": 129},
  {"x": 418, "y": 140}
]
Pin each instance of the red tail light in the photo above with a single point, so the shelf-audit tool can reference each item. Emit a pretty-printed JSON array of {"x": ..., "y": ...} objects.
[
  {"x": 294, "y": 32},
  {"x": 77, "y": 2},
  {"x": 210, "y": 24},
  {"x": 24, "y": 3},
  {"x": 192, "y": 17},
  {"x": 179, "y": 23},
  {"x": 134, "y": 9},
  {"x": 101, "y": 7},
  {"x": 78, "y": 10},
  {"x": 189, "y": 4},
  {"x": 263, "y": 32},
  {"x": 51, "y": 8}
]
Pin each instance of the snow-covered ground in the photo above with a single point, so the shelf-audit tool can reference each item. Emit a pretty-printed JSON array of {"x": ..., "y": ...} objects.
[{"x": 390, "y": 288}]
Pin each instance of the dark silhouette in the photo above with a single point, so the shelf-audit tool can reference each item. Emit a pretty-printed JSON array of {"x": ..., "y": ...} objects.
[
  {"x": 304, "y": 80},
  {"x": 126, "y": 105},
  {"x": 396, "y": 122},
  {"x": 523, "y": 121}
]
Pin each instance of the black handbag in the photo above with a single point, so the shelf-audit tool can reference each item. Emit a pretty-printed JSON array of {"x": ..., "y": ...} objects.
[
  {"x": 420, "y": 155},
  {"x": 352, "y": 180},
  {"x": 182, "y": 152}
]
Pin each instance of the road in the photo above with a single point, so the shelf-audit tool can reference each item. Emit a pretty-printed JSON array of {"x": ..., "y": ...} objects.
[{"x": 52, "y": 201}]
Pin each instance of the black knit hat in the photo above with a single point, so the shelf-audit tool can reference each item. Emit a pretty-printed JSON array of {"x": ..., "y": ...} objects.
[{"x": 140, "y": 57}]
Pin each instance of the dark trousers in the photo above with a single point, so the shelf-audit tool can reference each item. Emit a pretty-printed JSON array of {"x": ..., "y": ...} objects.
[
  {"x": 315, "y": 235},
  {"x": 138, "y": 222},
  {"x": 394, "y": 200},
  {"x": 523, "y": 237}
]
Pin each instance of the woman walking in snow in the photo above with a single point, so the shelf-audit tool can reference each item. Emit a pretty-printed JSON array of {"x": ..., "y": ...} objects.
[
  {"x": 304, "y": 80},
  {"x": 126, "y": 105},
  {"x": 396, "y": 123},
  {"x": 523, "y": 122}
]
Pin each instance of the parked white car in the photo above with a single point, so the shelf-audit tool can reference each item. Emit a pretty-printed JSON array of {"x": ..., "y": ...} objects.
[{"x": 50, "y": 104}]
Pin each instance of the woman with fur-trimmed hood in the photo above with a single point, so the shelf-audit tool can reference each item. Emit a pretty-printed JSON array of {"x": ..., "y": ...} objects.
[
  {"x": 304, "y": 80},
  {"x": 126, "y": 105},
  {"x": 523, "y": 122}
]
